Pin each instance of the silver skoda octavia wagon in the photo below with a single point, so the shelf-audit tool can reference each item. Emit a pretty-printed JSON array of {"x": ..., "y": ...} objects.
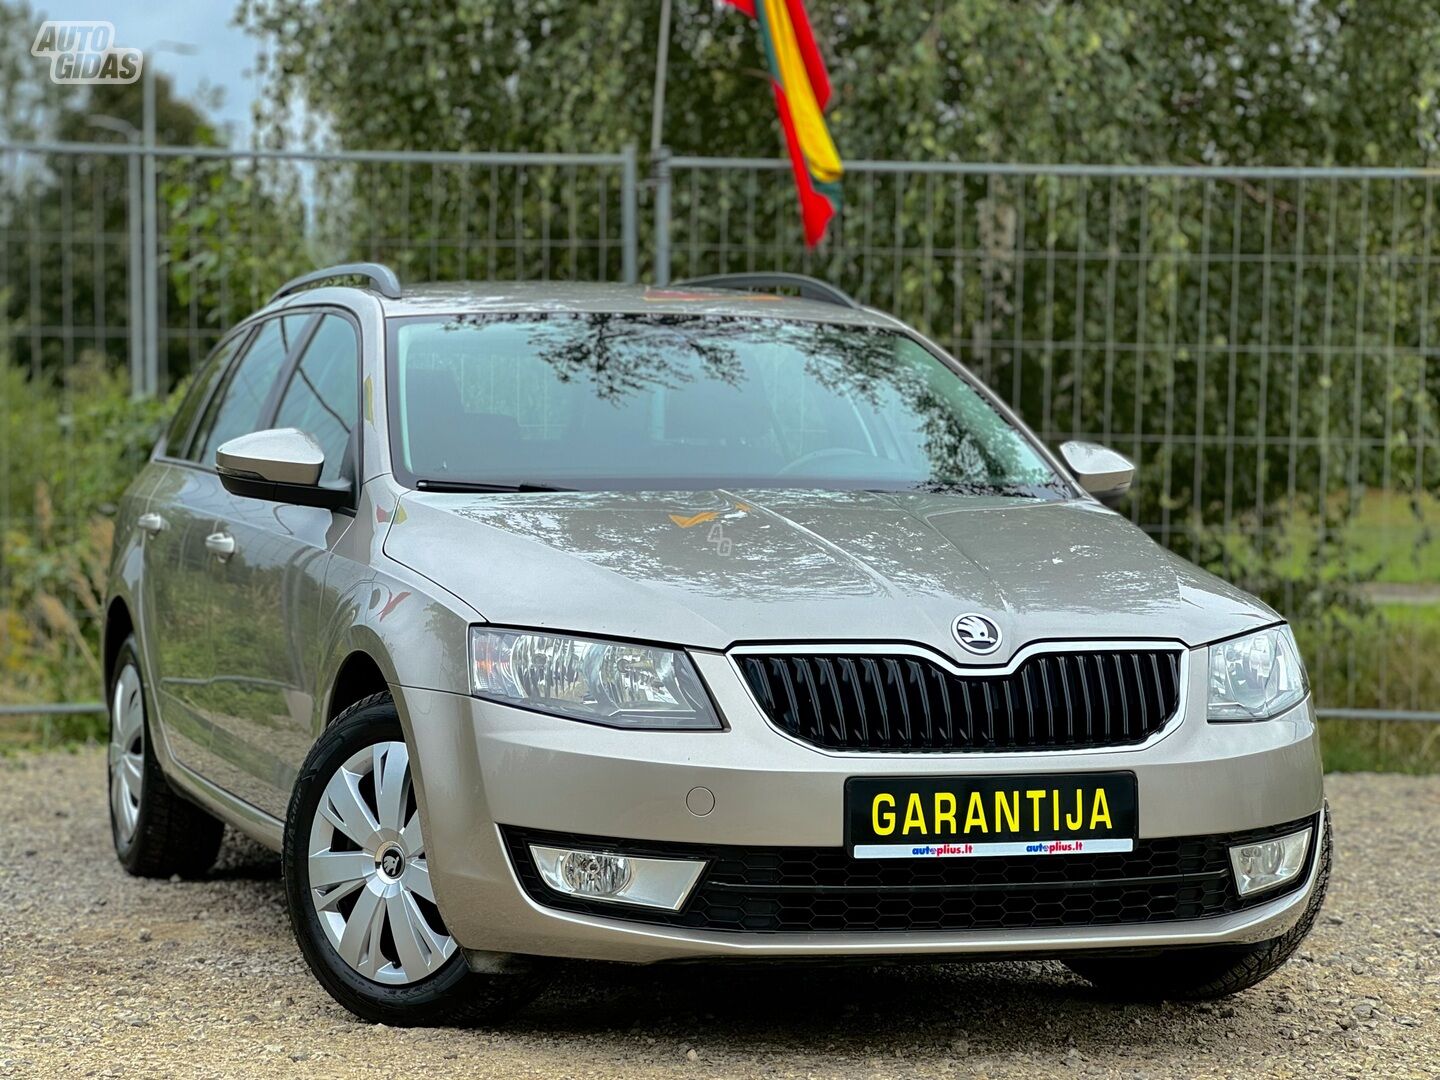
[{"x": 671, "y": 624}]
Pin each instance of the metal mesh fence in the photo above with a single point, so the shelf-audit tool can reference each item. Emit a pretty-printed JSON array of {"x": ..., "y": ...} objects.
[{"x": 1262, "y": 341}]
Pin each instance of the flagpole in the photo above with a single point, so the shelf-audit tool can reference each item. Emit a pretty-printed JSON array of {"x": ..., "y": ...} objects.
[{"x": 662, "y": 71}]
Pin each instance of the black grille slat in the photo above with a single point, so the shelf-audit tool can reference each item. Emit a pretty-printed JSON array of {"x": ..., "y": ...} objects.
[
  {"x": 877, "y": 685},
  {"x": 852, "y": 678},
  {"x": 947, "y": 732},
  {"x": 989, "y": 713},
  {"x": 1060, "y": 700},
  {"x": 1065, "y": 688},
  {"x": 1062, "y": 722},
  {"x": 1088, "y": 704},
  {"x": 1159, "y": 682},
  {"x": 894, "y": 679},
  {"x": 1131, "y": 695},
  {"x": 1103, "y": 666}
]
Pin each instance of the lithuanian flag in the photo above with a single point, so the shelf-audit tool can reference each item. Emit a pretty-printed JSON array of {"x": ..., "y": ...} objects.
[{"x": 802, "y": 92}]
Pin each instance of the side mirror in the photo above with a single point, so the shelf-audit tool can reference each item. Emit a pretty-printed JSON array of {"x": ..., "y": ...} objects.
[
  {"x": 1100, "y": 471},
  {"x": 279, "y": 465}
]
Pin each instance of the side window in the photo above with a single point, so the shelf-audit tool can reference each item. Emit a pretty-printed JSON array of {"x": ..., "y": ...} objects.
[
  {"x": 239, "y": 408},
  {"x": 199, "y": 392},
  {"x": 323, "y": 396}
]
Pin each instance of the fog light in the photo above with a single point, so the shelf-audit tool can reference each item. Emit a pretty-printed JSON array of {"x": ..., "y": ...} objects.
[
  {"x": 594, "y": 873},
  {"x": 1269, "y": 863},
  {"x": 618, "y": 879}
]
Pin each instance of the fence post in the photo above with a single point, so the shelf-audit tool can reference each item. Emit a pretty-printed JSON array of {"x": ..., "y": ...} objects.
[
  {"x": 629, "y": 241},
  {"x": 136, "y": 285},
  {"x": 151, "y": 252},
  {"x": 662, "y": 216}
]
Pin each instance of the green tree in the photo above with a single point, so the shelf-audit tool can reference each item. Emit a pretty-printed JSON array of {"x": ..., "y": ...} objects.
[
  {"x": 66, "y": 217},
  {"x": 1259, "y": 81}
]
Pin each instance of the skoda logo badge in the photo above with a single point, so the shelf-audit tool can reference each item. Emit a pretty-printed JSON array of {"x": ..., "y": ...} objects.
[{"x": 976, "y": 633}]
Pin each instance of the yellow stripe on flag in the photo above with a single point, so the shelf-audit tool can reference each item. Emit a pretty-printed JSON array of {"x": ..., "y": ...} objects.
[{"x": 816, "y": 145}]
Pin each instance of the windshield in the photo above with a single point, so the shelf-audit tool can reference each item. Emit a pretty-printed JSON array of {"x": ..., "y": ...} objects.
[{"x": 632, "y": 402}]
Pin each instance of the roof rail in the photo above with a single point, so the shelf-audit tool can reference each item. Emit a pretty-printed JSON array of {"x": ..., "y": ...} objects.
[
  {"x": 382, "y": 279},
  {"x": 810, "y": 288}
]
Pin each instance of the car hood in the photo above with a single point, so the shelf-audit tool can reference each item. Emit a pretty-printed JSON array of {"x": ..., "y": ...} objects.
[{"x": 712, "y": 569}]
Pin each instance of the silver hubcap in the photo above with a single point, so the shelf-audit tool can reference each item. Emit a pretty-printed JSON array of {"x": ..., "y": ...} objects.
[
  {"x": 369, "y": 880},
  {"x": 127, "y": 752}
]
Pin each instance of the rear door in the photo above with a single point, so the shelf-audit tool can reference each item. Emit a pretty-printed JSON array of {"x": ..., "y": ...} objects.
[{"x": 268, "y": 591}]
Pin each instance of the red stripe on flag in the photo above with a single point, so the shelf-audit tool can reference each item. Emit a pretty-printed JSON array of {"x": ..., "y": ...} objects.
[
  {"x": 809, "y": 51},
  {"x": 815, "y": 208},
  {"x": 747, "y": 6}
]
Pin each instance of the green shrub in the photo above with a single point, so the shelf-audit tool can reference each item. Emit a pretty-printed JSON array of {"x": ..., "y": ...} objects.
[{"x": 67, "y": 452}]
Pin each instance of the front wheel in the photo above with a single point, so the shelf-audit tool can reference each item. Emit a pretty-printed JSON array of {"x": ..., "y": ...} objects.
[
  {"x": 357, "y": 882},
  {"x": 1207, "y": 972}
]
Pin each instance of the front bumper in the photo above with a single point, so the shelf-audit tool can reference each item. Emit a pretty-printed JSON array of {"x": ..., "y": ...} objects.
[{"x": 480, "y": 766}]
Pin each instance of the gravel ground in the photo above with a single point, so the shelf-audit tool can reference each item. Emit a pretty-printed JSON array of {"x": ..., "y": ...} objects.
[{"x": 106, "y": 975}]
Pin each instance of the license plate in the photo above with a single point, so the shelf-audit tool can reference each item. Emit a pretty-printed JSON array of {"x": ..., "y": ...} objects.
[{"x": 970, "y": 817}]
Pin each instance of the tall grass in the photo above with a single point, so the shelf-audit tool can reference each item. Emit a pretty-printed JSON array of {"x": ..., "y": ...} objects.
[{"x": 67, "y": 451}]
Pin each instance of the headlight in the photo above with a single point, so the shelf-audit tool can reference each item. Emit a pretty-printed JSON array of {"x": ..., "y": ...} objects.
[
  {"x": 603, "y": 682},
  {"x": 1256, "y": 677}
]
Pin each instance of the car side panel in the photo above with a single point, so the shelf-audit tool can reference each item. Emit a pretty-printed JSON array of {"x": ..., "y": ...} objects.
[
  {"x": 414, "y": 631},
  {"x": 127, "y": 555},
  {"x": 268, "y": 596},
  {"x": 177, "y": 609}
]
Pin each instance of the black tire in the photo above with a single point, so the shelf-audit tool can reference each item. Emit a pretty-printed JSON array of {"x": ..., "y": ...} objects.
[
  {"x": 172, "y": 835},
  {"x": 1210, "y": 972},
  {"x": 452, "y": 994}
]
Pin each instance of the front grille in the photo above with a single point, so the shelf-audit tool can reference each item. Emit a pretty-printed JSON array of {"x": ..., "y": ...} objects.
[
  {"x": 806, "y": 890},
  {"x": 879, "y": 701}
]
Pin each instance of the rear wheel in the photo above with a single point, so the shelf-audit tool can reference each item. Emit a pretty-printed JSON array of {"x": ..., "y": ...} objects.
[
  {"x": 156, "y": 832},
  {"x": 1201, "y": 974},
  {"x": 357, "y": 881}
]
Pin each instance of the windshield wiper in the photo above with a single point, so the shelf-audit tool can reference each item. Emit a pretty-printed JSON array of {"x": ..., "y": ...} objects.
[
  {"x": 1043, "y": 490},
  {"x": 466, "y": 487}
]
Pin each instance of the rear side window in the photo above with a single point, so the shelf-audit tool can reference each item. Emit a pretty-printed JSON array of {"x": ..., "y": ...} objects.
[
  {"x": 323, "y": 396},
  {"x": 209, "y": 374},
  {"x": 240, "y": 407}
]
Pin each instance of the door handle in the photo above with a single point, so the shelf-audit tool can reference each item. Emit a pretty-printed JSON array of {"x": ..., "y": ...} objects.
[
  {"x": 150, "y": 523},
  {"x": 220, "y": 544}
]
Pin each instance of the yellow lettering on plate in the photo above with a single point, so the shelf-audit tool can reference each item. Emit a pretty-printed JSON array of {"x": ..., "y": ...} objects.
[
  {"x": 1036, "y": 797},
  {"x": 1074, "y": 821},
  {"x": 914, "y": 814},
  {"x": 883, "y": 824},
  {"x": 1101, "y": 810},
  {"x": 945, "y": 811},
  {"x": 1007, "y": 808},
  {"x": 975, "y": 813}
]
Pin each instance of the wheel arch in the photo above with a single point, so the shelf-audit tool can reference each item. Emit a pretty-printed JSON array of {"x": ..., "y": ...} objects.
[
  {"x": 358, "y": 676},
  {"x": 119, "y": 624}
]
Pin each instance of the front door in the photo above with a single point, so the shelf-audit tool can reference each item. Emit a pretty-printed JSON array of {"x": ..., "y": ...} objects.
[
  {"x": 242, "y": 403},
  {"x": 268, "y": 587},
  {"x": 175, "y": 599}
]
